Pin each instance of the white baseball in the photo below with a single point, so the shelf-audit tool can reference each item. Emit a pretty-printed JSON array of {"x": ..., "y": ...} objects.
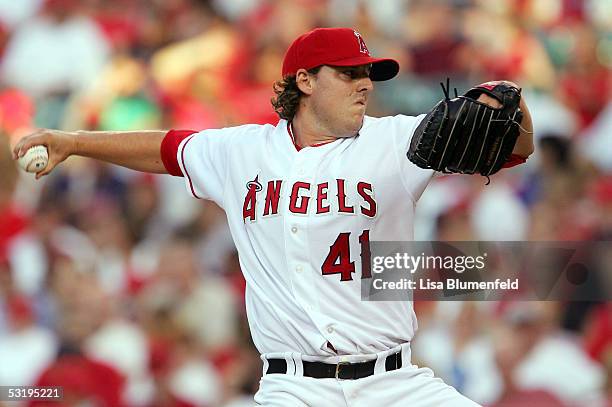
[{"x": 35, "y": 159}]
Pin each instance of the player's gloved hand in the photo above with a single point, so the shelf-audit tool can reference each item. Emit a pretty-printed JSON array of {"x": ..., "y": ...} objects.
[
  {"x": 60, "y": 145},
  {"x": 473, "y": 133}
]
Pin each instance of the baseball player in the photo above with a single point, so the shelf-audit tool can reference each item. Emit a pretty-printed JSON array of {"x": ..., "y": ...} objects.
[{"x": 304, "y": 198}]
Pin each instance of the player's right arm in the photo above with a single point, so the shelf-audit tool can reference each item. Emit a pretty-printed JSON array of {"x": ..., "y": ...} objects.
[{"x": 138, "y": 150}]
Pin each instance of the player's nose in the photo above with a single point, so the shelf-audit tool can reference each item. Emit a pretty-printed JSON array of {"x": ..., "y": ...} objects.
[{"x": 365, "y": 84}]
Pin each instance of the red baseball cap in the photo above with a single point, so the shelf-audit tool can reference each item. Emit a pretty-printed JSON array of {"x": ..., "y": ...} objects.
[{"x": 335, "y": 47}]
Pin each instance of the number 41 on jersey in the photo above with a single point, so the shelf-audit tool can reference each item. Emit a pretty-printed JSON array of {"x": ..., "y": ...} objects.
[{"x": 338, "y": 260}]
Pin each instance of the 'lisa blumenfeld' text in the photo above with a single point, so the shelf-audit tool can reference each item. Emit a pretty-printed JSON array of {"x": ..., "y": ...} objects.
[{"x": 450, "y": 284}]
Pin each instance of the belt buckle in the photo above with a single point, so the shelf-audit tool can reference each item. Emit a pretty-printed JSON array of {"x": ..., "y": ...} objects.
[{"x": 338, "y": 368}]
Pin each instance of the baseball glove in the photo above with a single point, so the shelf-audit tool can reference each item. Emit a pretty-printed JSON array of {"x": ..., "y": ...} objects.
[{"x": 463, "y": 135}]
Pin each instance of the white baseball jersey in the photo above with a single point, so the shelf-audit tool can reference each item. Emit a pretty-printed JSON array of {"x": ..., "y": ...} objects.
[{"x": 302, "y": 219}]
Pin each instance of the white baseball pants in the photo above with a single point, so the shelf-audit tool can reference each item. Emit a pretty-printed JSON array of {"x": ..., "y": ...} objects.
[{"x": 408, "y": 386}]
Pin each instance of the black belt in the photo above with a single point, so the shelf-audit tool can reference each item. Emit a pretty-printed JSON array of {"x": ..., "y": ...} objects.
[{"x": 342, "y": 370}]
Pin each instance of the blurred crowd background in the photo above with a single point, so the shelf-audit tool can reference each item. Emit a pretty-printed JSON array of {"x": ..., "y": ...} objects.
[{"x": 121, "y": 288}]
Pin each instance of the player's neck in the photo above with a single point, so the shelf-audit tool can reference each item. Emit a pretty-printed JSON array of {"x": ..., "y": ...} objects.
[{"x": 308, "y": 131}]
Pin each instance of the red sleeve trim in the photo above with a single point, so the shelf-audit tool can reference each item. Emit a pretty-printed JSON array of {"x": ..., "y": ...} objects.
[
  {"x": 514, "y": 160},
  {"x": 169, "y": 150},
  {"x": 185, "y": 167}
]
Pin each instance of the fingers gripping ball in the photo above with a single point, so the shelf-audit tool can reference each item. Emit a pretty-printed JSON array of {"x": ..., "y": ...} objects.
[{"x": 35, "y": 159}]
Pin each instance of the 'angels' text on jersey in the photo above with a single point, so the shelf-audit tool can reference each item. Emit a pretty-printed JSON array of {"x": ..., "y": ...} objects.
[{"x": 300, "y": 198}]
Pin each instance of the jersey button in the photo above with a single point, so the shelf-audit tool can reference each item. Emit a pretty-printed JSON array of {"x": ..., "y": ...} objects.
[
  {"x": 298, "y": 269},
  {"x": 294, "y": 229},
  {"x": 330, "y": 330}
]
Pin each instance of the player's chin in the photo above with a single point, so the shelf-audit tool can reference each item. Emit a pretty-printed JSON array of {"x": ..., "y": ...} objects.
[
  {"x": 352, "y": 123},
  {"x": 359, "y": 122},
  {"x": 353, "y": 130}
]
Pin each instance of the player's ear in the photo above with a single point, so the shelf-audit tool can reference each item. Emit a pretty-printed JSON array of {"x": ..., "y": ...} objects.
[{"x": 304, "y": 81}]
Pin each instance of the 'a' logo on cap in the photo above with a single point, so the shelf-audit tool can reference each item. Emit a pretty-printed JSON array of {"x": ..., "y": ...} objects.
[{"x": 362, "y": 45}]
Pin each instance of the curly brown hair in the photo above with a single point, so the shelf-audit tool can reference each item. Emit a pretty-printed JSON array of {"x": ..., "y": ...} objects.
[{"x": 288, "y": 96}]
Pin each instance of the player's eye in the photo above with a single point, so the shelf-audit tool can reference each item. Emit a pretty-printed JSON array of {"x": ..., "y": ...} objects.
[
  {"x": 349, "y": 72},
  {"x": 355, "y": 72}
]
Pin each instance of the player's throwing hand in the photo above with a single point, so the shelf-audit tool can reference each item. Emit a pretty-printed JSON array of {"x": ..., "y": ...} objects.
[{"x": 60, "y": 145}]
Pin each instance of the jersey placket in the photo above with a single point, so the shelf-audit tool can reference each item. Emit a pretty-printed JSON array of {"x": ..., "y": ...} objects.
[{"x": 296, "y": 230}]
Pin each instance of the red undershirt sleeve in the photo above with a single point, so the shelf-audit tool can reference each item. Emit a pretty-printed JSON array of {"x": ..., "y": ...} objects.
[
  {"x": 169, "y": 150},
  {"x": 514, "y": 160}
]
